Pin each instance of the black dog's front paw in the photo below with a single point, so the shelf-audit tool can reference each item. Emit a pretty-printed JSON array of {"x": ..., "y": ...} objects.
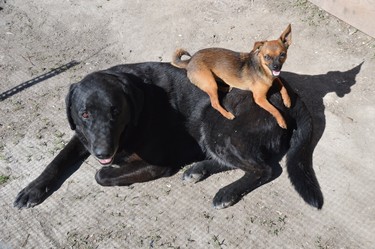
[
  {"x": 194, "y": 174},
  {"x": 226, "y": 197},
  {"x": 30, "y": 196},
  {"x": 111, "y": 176},
  {"x": 104, "y": 176}
]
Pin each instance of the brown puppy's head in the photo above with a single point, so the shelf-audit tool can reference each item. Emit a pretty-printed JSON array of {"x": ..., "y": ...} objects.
[{"x": 272, "y": 54}]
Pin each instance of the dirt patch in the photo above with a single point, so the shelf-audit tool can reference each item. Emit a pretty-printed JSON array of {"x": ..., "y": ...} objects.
[{"x": 329, "y": 63}]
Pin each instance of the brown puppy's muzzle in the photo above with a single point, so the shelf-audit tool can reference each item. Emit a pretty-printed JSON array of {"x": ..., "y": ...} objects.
[{"x": 275, "y": 67}]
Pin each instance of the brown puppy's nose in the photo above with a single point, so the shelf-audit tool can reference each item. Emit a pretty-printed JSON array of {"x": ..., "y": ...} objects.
[{"x": 276, "y": 67}]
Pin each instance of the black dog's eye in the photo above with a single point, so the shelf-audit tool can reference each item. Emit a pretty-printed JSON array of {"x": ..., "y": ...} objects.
[
  {"x": 114, "y": 111},
  {"x": 85, "y": 115},
  {"x": 267, "y": 57}
]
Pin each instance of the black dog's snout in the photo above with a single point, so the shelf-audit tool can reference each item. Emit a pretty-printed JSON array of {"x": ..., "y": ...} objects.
[{"x": 102, "y": 153}]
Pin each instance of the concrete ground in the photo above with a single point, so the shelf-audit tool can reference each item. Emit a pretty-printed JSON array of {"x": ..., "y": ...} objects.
[{"x": 47, "y": 45}]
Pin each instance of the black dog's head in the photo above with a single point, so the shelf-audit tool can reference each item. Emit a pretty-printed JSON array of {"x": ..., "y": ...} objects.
[{"x": 100, "y": 108}]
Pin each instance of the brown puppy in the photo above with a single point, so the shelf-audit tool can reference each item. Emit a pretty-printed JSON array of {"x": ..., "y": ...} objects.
[{"x": 254, "y": 71}]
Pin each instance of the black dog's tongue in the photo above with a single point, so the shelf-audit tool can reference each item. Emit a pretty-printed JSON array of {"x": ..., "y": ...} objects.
[{"x": 105, "y": 161}]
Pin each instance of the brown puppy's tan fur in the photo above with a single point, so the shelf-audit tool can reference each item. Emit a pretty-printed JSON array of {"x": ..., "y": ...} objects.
[{"x": 252, "y": 71}]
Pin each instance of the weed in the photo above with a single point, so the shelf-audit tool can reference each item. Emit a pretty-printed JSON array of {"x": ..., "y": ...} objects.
[
  {"x": 59, "y": 134},
  {"x": 207, "y": 216},
  {"x": 2, "y": 155},
  {"x": 5, "y": 158},
  {"x": 76, "y": 240},
  {"x": 320, "y": 244},
  {"x": 3, "y": 179},
  {"x": 18, "y": 105},
  {"x": 252, "y": 219},
  {"x": 216, "y": 242},
  {"x": 300, "y": 3},
  {"x": 18, "y": 137},
  {"x": 59, "y": 143},
  {"x": 275, "y": 226},
  {"x": 312, "y": 14}
]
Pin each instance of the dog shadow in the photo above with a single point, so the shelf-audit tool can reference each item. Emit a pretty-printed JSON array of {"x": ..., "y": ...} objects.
[{"x": 313, "y": 88}]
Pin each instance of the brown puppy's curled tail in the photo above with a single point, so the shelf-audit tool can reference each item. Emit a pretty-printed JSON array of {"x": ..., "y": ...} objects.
[{"x": 176, "y": 59}]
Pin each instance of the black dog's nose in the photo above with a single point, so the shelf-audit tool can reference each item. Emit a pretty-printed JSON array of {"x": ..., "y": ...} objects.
[{"x": 102, "y": 153}]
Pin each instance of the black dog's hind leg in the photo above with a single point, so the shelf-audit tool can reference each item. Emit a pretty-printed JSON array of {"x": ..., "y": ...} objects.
[
  {"x": 62, "y": 166},
  {"x": 203, "y": 169},
  {"x": 232, "y": 193},
  {"x": 133, "y": 172}
]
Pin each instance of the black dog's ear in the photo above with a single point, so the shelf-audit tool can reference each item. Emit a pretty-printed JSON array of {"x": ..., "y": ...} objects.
[
  {"x": 133, "y": 94},
  {"x": 68, "y": 103},
  {"x": 135, "y": 97}
]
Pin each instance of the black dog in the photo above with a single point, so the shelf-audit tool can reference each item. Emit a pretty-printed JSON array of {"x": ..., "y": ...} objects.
[{"x": 161, "y": 122}]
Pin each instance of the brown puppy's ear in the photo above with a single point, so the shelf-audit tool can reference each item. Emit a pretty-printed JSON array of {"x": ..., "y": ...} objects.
[
  {"x": 68, "y": 103},
  {"x": 286, "y": 36},
  {"x": 257, "y": 45}
]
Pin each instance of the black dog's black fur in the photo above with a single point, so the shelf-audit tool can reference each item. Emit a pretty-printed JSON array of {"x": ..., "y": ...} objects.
[{"x": 152, "y": 113}]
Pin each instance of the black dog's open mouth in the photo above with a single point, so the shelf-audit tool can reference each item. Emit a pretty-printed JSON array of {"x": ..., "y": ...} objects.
[{"x": 105, "y": 162}]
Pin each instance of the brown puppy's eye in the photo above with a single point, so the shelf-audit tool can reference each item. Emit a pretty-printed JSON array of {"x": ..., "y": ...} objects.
[
  {"x": 282, "y": 55},
  {"x": 85, "y": 115},
  {"x": 267, "y": 57}
]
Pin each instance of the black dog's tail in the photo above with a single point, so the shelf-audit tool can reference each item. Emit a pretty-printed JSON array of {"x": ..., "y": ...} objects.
[
  {"x": 299, "y": 157},
  {"x": 176, "y": 59}
]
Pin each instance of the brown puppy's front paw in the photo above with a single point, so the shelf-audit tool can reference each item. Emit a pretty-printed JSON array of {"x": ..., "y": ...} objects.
[
  {"x": 282, "y": 123},
  {"x": 229, "y": 116},
  {"x": 287, "y": 102}
]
